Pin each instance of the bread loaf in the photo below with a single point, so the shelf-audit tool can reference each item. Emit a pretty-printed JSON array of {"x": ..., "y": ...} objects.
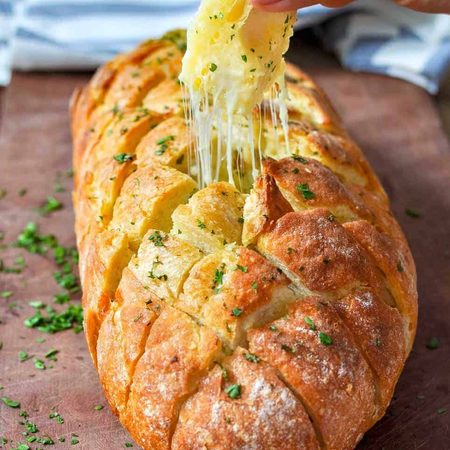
[{"x": 278, "y": 318}]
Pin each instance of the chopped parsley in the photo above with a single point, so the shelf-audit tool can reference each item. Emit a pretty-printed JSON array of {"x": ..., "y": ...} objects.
[
  {"x": 241, "y": 268},
  {"x": 252, "y": 358},
  {"x": 57, "y": 416},
  {"x": 11, "y": 403},
  {"x": 325, "y": 339},
  {"x": 61, "y": 299},
  {"x": 433, "y": 343},
  {"x": 163, "y": 142},
  {"x": 123, "y": 157},
  {"x": 98, "y": 407},
  {"x": 244, "y": 58},
  {"x": 23, "y": 356},
  {"x": 31, "y": 427},
  {"x": 299, "y": 159},
  {"x": 236, "y": 312},
  {"x": 157, "y": 239},
  {"x": 303, "y": 189},
  {"x": 45, "y": 440},
  {"x": 255, "y": 285},
  {"x": 6, "y": 294},
  {"x": 53, "y": 322},
  {"x": 51, "y": 205},
  {"x": 310, "y": 323},
  {"x": 51, "y": 354},
  {"x": 201, "y": 224},
  {"x": 213, "y": 67},
  {"x": 413, "y": 213},
  {"x": 19, "y": 264},
  {"x": 33, "y": 242},
  {"x": 218, "y": 277},
  {"x": 22, "y": 447},
  {"x": 234, "y": 391},
  {"x": 39, "y": 364}
]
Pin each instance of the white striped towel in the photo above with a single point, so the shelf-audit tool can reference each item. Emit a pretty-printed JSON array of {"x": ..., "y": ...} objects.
[{"x": 368, "y": 35}]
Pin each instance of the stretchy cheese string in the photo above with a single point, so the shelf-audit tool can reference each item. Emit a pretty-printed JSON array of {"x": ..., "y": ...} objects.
[{"x": 232, "y": 71}]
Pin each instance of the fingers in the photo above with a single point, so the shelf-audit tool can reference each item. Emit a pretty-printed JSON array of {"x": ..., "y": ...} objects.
[
  {"x": 282, "y": 5},
  {"x": 431, "y": 6},
  {"x": 290, "y": 5}
]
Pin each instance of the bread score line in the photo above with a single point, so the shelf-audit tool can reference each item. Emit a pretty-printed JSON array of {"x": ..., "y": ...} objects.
[{"x": 217, "y": 318}]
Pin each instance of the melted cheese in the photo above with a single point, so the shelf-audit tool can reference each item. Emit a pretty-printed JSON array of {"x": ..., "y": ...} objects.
[{"x": 234, "y": 62}]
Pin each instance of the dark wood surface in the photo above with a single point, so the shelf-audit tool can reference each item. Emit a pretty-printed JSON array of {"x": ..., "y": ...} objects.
[{"x": 396, "y": 124}]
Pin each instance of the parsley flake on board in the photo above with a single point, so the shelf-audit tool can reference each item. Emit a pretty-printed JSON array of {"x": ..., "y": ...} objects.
[
  {"x": 11, "y": 403},
  {"x": 33, "y": 242},
  {"x": 411, "y": 212},
  {"x": 51, "y": 205},
  {"x": 39, "y": 364},
  {"x": 23, "y": 356},
  {"x": 51, "y": 354},
  {"x": 53, "y": 322},
  {"x": 433, "y": 343}
]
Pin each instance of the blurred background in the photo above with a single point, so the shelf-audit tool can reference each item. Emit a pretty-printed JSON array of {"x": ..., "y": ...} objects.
[{"x": 366, "y": 35}]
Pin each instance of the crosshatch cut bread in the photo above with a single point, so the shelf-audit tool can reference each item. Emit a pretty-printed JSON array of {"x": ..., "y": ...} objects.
[{"x": 276, "y": 318}]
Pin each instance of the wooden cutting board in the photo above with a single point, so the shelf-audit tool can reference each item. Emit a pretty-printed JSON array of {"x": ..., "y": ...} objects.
[{"x": 395, "y": 123}]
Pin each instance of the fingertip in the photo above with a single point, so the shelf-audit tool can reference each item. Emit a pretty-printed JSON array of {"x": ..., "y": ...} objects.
[{"x": 281, "y": 5}]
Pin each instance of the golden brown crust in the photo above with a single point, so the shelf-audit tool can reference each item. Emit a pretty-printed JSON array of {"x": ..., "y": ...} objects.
[
  {"x": 266, "y": 414},
  {"x": 177, "y": 354},
  {"x": 316, "y": 355},
  {"x": 302, "y": 292}
]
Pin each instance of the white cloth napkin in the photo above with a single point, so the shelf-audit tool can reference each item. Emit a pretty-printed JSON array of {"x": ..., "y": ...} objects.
[{"x": 368, "y": 35}]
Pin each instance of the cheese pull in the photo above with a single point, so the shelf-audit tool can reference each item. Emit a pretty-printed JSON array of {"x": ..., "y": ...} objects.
[{"x": 235, "y": 53}]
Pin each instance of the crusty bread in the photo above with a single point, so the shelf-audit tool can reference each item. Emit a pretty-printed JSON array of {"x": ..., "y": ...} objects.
[{"x": 217, "y": 319}]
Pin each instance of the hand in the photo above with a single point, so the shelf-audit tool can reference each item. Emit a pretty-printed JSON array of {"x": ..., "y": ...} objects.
[{"x": 432, "y": 6}]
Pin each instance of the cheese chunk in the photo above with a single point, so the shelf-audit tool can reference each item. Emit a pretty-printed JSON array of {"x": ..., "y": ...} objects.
[{"x": 235, "y": 53}]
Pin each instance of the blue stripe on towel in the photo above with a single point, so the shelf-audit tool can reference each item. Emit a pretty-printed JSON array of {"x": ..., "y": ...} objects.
[
  {"x": 70, "y": 10},
  {"x": 76, "y": 34}
]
